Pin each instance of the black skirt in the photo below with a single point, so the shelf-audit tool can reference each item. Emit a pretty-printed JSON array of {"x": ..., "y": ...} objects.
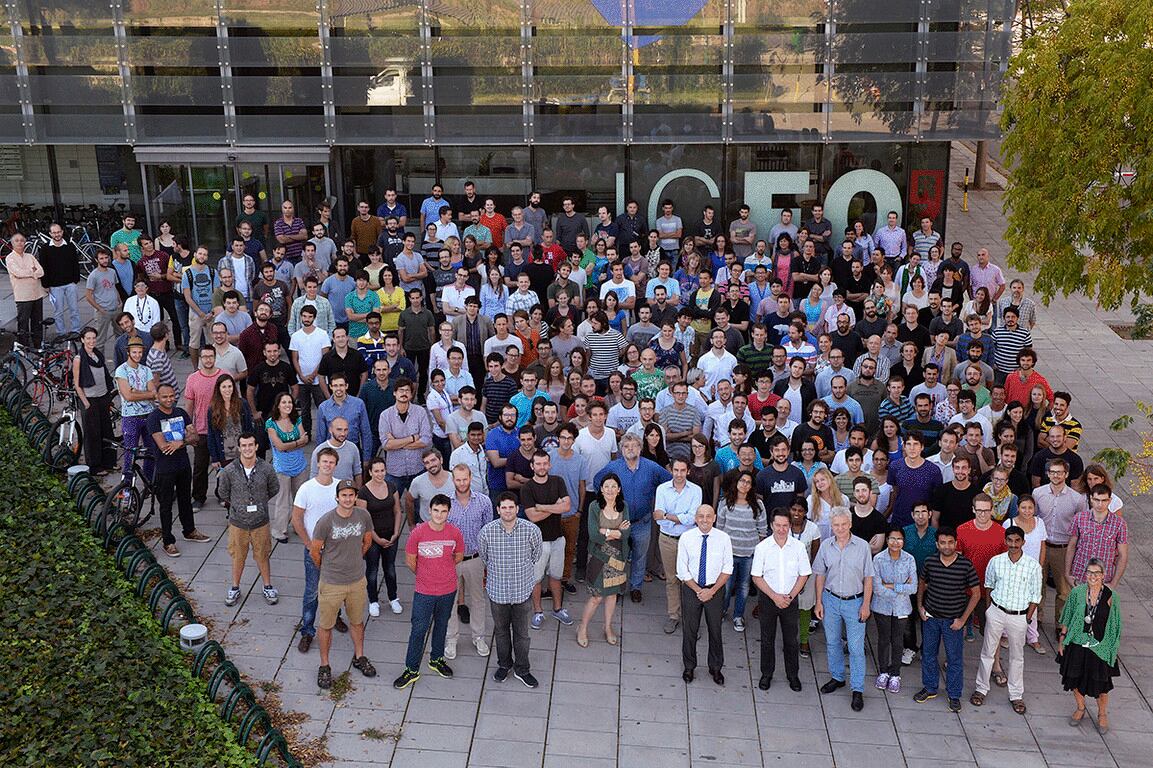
[{"x": 1083, "y": 670}]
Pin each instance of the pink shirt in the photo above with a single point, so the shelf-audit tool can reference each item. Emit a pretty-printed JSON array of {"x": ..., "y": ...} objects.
[
  {"x": 435, "y": 558},
  {"x": 198, "y": 393},
  {"x": 989, "y": 277}
]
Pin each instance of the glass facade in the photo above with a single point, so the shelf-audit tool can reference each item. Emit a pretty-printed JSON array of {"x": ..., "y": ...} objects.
[{"x": 348, "y": 72}]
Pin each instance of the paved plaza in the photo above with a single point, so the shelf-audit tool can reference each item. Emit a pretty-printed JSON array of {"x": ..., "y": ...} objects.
[{"x": 627, "y": 706}]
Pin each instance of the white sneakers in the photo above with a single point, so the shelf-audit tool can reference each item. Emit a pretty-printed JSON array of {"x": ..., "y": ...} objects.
[
  {"x": 374, "y": 609},
  {"x": 450, "y": 649},
  {"x": 482, "y": 648},
  {"x": 395, "y": 606}
]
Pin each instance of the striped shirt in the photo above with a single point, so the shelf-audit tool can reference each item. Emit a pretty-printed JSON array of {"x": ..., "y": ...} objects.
[
  {"x": 1009, "y": 343},
  {"x": 947, "y": 587},
  {"x": 756, "y": 359},
  {"x": 510, "y": 560},
  {"x": 745, "y": 531},
  {"x": 1072, "y": 426},
  {"x": 1013, "y": 586},
  {"x": 604, "y": 352},
  {"x": 922, "y": 243}
]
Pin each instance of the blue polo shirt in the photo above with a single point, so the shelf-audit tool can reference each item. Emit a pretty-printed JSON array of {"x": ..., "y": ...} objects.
[
  {"x": 639, "y": 486},
  {"x": 505, "y": 444}
]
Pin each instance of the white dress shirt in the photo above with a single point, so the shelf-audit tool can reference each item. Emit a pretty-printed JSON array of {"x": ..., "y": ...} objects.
[
  {"x": 780, "y": 566},
  {"x": 682, "y": 504},
  {"x": 718, "y": 557}
]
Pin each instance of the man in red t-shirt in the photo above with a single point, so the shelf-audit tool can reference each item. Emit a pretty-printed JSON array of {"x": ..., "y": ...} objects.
[
  {"x": 198, "y": 390},
  {"x": 433, "y": 551},
  {"x": 980, "y": 540},
  {"x": 495, "y": 222}
]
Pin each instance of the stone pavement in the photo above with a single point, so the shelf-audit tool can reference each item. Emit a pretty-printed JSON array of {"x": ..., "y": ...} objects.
[{"x": 627, "y": 706}]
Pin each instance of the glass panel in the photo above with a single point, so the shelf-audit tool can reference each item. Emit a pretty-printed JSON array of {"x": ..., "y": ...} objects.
[
  {"x": 765, "y": 208},
  {"x": 66, "y": 13},
  {"x": 272, "y": 14},
  {"x": 174, "y": 16},
  {"x": 870, "y": 11},
  {"x": 281, "y": 128},
  {"x": 871, "y": 102},
  {"x": 253, "y": 179},
  {"x": 214, "y": 197},
  {"x": 839, "y": 159},
  {"x": 368, "y": 172},
  {"x": 588, "y": 174},
  {"x": 776, "y": 14},
  {"x": 502, "y": 173},
  {"x": 301, "y": 50},
  {"x": 164, "y": 126},
  {"x": 169, "y": 200},
  {"x": 306, "y": 187},
  {"x": 44, "y": 47},
  {"x": 928, "y": 180},
  {"x": 688, "y": 191},
  {"x": 188, "y": 92}
]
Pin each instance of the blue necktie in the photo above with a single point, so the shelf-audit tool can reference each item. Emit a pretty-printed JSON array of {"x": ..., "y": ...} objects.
[{"x": 701, "y": 571}]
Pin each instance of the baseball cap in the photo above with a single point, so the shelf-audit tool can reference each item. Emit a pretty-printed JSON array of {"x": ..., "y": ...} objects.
[{"x": 345, "y": 485}]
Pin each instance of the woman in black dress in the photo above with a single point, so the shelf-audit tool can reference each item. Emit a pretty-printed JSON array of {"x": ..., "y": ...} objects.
[
  {"x": 1089, "y": 634},
  {"x": 380, "y": 499}
]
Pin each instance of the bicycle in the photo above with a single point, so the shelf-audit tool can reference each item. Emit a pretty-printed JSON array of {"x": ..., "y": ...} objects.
[
  {"x": 125, "y": 502},
  {"x": 67, "y": 437},
  {"x": 78, "y": 236},
  {"x": 45, "y": 371}
]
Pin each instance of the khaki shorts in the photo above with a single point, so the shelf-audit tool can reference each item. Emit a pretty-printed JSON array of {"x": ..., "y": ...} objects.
[
  {"x": 259, "y": 540},
  {"x": 354, "y": 598}
]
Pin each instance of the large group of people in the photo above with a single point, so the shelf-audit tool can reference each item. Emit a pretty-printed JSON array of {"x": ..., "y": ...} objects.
[{"x": 838, "y": 429}]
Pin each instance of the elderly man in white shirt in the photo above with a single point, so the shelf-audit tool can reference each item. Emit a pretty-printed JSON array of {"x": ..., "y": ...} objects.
[
  {"x": 780, "y": 570},
  {"x": 704, "y": 565}
]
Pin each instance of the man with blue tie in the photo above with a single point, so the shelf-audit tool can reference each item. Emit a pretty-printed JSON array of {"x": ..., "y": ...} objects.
[{"x": 704, "y": 564}]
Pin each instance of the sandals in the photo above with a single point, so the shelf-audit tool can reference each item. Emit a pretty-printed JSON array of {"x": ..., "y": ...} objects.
[
  {"x": 977, "y": 699},
  {"x": 1077, "y": 718},
  {"x": 324, "y": 677},
  {"x": 1000, "y": 679},
  {"x": 582, "y": 639},
  {"x": 1018, "y": 706},
  {"x": 1040, "y": 649},
  {"x": 365, "y": 666},
  {"x": 610, "y": 638}
]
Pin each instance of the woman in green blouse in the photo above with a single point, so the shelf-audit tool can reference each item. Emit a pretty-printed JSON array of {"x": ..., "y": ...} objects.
[{"x": 1089, "y": 634}]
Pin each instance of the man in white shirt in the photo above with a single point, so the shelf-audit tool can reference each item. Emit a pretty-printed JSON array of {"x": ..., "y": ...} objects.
[
  {"x": 314, "y": 499},
  {"x": 626, "y": 290},
  {"x": 308, "y": 346},
  {"x": 674, "y": 510},
  {"x": 595, "y": 442},
  {"x": 717, "y": 364},
  {"x": 967, "y": 413},
  {"x": 943, "y": 458},
  {"x": 704, "y": 565},
  {"x": 858, "y": 438},
  {"x": 452, "y": 296},
  {"x": 471, "y": 454},
  {"x": 780, "y": 570},
  {"x": 664, "y": 398},
  {"x": 995, "y": 409},
  {"x": 625, "y": 413},
  {"x": 503, "y": 339}
]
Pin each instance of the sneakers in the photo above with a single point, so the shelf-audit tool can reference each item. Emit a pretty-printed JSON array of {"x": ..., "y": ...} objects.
[
  {"x": 970, "y": 636},
  {"x": 407, "y": 678},
  {"x": 671, "y": 624},
  {"x": 895, "y": 684},
  {"x": 527, "y": 679},
  {"x": 739, "y": 624},
  {"x": 394, "y": 605},
  {"x": 271, "y": 596},
  {"x": 462, "y": 614},
  {"x": 196, "y": 536},
  {"x": 374, "y": 611},
  {"x": 907, "y": 656},
  {"x": 954, "y": 705},
  {"x": 482, "y": 648},
  {"x": 440, "y": 666},
  {"x": 500, "y": 675},
  {"x": 196, "y": 507},
  {"x": 924, "y": 695},
  {"x": 450, "y": 649},
  {"x": 562, "y": 616},
  {"x": 537, "y": 621},
  {"x": 171, "y": 550},
  {"x": 882, "y": 682},
  {"x": 570, "y": 588},
  {"x": 233, "y": 596}
]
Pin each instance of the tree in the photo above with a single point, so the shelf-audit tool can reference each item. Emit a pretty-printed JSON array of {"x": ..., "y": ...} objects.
[{"x": 1079, "y": 121}]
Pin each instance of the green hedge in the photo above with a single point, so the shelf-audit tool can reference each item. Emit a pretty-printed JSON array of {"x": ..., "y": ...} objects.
[{"x": 86, "y": 677}]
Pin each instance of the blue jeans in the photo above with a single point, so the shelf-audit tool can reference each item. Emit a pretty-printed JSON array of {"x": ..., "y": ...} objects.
[
  {"x": 640, "y": 531},
  {"x": 63, "y": 299},
  {"x": 738, "y": 585},
  {"x": 181, "y": 338},
  {"x": 428, "y": 610},
  {"x": 844, "y": 617},
  {"x": 933, "y": 631},
  {"x": 311, "y": 587}
]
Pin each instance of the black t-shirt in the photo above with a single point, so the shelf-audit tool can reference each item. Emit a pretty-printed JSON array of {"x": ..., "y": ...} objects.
[
  {"x": 918, "y": 335},
  {"x": 552, "y": 490},
  {"x": 953, "y": 327},
  {"x": 822, "y": 435},
  {"x": 860, "y": 284},
  {"x": 954, "y": 505},
  {"x": 540, "y": 276},
  {"x": 870, "y": 525},
  {"x": 866, "y": 328},
  {"x": 738, "y": 313},
  {"x": 822, "y": 228},
  {"x": 801, "y": 266},
  {"x": 850, "y": 345},
  {"x": 275, "y": 296},
  {"x": 947, "y": 588},
  {"x": 778, "y": 488},
  {"x": 1018, "y": 482},
  {"x": 708, "y": 231},
  {"x": 382, "y": 511},
  {"x": 269, "y": 381},
  {"x": 352, "y": 365},
  {"x": 177, "y": 425},
  {"x": 1038, "y": 468},
  {"x": 842, "y": 270}
]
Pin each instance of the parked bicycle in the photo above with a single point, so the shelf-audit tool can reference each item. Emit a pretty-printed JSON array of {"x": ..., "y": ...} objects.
[
  {"x": 67, "y": 438},
  {"x": 125, "y": 503},
  {"x": 78, "y": 235},
  {"x": 45, "y": 372}
]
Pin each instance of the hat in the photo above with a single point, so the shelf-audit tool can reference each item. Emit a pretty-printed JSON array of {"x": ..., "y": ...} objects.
[
  {"x": 345, "y": 485},
  {"x": 135, "y": 341}
]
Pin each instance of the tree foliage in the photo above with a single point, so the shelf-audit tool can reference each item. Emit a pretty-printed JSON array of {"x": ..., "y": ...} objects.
[{"x": 1079, "y": 108}]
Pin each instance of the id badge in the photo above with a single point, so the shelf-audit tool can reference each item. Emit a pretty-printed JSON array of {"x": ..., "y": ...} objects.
[{"x": 251, "y": 508}]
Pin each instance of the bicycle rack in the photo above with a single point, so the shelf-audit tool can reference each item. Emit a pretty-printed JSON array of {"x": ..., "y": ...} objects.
[
  {"x": 211, "y": 649},
  {"x": 139, "y": 556},
  {"x": 75, "y": 480},
  {"x": 175, "y": 606},
  {"x": 162, "y": 588},
  {"x": 110, "y": 534},
  {"x": 156, "y": 569},
  {"x": 127, "y": 546},
  {"x": 225, "y": 669},
  {"x": 257, "y": 715},
  {"x": 239, "y": 693}
]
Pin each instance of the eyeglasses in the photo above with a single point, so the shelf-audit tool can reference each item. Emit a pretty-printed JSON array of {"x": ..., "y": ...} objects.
[{"x": 1094, "y": 573}]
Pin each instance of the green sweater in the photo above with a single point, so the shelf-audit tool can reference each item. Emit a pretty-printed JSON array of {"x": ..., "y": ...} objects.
[{"x": 1078, "y": 633}]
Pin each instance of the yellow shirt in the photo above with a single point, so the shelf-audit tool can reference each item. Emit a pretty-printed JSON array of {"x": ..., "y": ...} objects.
[{"x": 390, "y": 321}]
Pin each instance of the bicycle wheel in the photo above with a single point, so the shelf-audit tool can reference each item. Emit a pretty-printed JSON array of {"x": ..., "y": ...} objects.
[
  {"x": 87, "y": 259},
  {"x": 66, "y": 443},
  {"x": 15, "y": 367},
  {"x": 123, "y": 505},
  {"x": 38, "y": 390}
]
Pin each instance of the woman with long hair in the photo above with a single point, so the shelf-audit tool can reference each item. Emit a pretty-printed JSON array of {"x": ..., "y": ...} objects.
[
  {"x": 578, "y": 361},
  {"x": 1035, "y": 412},
  {"x": 842, "y": 422},
  {"x": 618, "y": 318},
  {"x": 809, "y": 464},
  {"x": 888, "y": 438},
  {"x": 880, "y": 475},
  {"x": 95, "y": 390},
  {"x": 916, "y": 296},
  {"x": 784, "y": 252},
  {"x": 688, "y": 275},
  {"x": 741, "y": 515},
  {"x": 981, "y": 306},
  {"x": 607, "y": 573},
  {"x": 653, "y": 444},
  {"x": 392, "y": 301},
  {"x": 947, "y": 408},
  {"x": 1014, "y": 418},
  {"x": 572, "y": 388},
  {"x": 382, "y": 501},
  {"x": 613, "y": 395},
  {"x": 669, "y": 350},
  {"x": 374, "y": 267},
  {"x": 720, "y": 249},
  {"x": 931, "y": 267},
  {"x": 493, "y": 294},
  {"x": 287, "y": 437},
  {"x": 824, "y": 496},
  {"x": 228, "y": 417},
  {"x": 825, "y": 280},
  {"x": 703, "y": 469},
  {"x": 939, "y": 354},
  {"x": 813, "y": 307},
  {"x": 554, "y": 380}
]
